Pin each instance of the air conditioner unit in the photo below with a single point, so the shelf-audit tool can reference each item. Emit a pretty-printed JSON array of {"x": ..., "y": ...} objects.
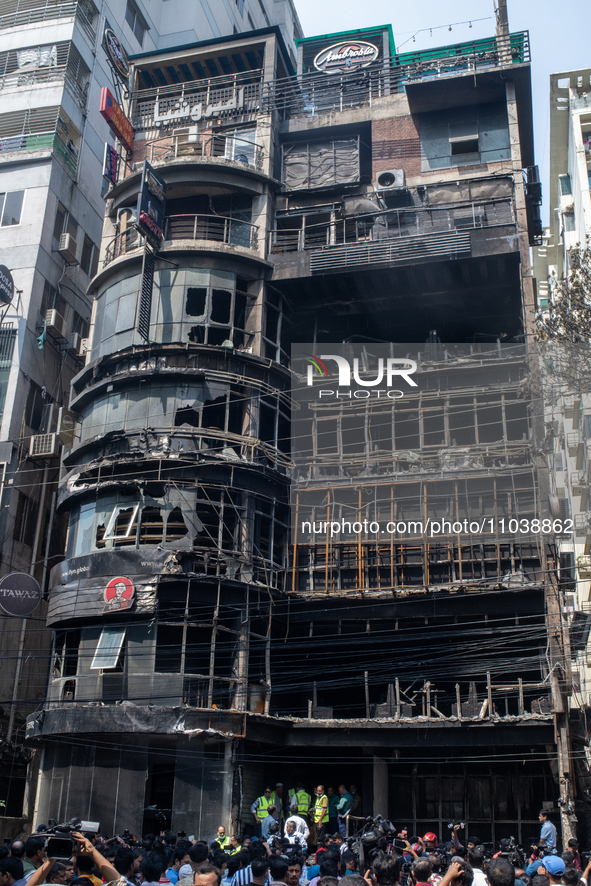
[
  {"x": 56, "y": 325},
  {"x": 68, "y": 249},
  {"x": 44, "y": 446},
  {"x": 390, "y": 179},
  {"x": 74, "y": 343}
]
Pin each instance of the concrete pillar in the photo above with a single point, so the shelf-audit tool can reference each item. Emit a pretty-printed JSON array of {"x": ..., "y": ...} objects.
[
  {"x": 380, "y": 787},
  {"x": 227, "y": 788}
]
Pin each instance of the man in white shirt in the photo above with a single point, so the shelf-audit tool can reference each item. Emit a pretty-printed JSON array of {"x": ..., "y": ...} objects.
[
  {"x": 295, "y": 824},
  {"x": 476, "y": 859}
]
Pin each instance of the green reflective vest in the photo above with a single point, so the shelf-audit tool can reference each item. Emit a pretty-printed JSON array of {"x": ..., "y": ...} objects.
[
  {"x": 264, "y": 805},
  {"x": 303, "y": 802},
  {"x": 320, "y": 813}
]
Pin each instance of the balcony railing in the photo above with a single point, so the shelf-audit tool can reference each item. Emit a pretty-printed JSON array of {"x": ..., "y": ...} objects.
[
  {"x": 396, "y": 223},
  {"x": 318, "y": 93},
  {"x": 28, "y": 12},
  {"x": 186, "y": 145},
  {"x": 217, "y": 228}
]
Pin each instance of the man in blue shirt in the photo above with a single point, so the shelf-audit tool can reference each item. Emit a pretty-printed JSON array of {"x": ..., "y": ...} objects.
[{"x": 548, "y": 832}]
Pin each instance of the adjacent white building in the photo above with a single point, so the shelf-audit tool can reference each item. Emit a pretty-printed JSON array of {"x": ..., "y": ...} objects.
[{"x": 569, "y": 411}]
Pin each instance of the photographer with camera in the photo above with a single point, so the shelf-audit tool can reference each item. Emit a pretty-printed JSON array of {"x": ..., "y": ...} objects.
[
  {"x": 85, "y": 849},
  {"x": 535, "y": 865}
]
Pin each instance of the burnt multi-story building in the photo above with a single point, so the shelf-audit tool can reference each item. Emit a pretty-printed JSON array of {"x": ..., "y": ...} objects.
[{"x": 204, "y": 645}]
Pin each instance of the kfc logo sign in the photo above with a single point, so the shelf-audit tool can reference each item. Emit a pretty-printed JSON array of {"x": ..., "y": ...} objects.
[{"x": 119, "y": 594}]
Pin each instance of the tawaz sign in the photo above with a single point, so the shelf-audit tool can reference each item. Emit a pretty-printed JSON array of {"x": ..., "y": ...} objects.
[{"x": 347, "y": 56}]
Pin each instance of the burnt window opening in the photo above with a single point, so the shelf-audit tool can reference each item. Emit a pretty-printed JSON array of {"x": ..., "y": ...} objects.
[
  {"x": 198, "y": 650},
  {"x": 151, "y": 526},
  {"x": 196, "y": 300},
  {"x": 267, "y": 414},
  {"x": 209, "y": 515},
  {"x": 221, "y": 304},
  {"x": 25, "y": 519},
  {"x": 186, "y": 416},
  {"x": 214, "y": 413},
  {"x": 175, "y": 525},
  {"x": 240, "y": 310},
  {"x": 69, "y": 691},
  {"x": 122, "y": 527},
  {"x": 67, "y": 644},
  {"x": 100, "y": 536},
  {"x": 223, "y": 312},
  {"x": 169, "y": 649},
  {"x": 235, "y": 413},
  {"x": 197, "y": 335},
  {"x": 220, "y": 335}
]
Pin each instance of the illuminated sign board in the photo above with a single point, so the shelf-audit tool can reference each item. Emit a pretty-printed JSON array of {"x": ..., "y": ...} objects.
[
  {"x": 116, "y": 53},
  {"x": 116, "y": 119},
  {"x": 151, "y": 205},
  {"x": 340, "y": 58}
]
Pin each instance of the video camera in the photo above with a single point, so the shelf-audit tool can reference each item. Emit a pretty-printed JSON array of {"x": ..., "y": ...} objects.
[
  {"x": 60, "y": 843},
  {"x": 512, "y": 851}
]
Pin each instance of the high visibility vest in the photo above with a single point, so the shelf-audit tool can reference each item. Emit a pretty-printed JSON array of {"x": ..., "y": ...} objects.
[
  {"x": 264, "y": 805},
  {"x": 223, "y": 841},
  {"x": 303, "y": 801},
  {"x": 320, "y": 815}
]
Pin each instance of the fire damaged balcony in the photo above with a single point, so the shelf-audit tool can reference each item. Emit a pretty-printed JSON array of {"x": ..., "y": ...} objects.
[
  {"x": 316, "y": 93},
  {"x": 215, "y": 228}
]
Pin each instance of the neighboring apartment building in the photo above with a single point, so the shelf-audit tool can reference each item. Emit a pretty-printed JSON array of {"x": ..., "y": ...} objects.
[
  {"x": 200, "y": 652},
  {"x": 53, "y": 65},
  {"x": 569, "y": 404}
]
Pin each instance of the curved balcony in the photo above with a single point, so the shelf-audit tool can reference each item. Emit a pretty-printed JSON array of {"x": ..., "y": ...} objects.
[
  {"x": 190, "y": 146},
  {"x": 216, "y": 228}
]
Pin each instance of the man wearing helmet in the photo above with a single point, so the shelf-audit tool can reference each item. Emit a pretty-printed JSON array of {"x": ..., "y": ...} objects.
[{"x": 429, "y": 843}]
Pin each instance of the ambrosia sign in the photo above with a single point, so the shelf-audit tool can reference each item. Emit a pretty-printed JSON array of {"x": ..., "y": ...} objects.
[{"x": 346, "y": 56}]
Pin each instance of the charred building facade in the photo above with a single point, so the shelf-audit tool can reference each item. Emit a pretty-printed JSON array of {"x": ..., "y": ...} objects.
[{"x": 203, "y": 644}]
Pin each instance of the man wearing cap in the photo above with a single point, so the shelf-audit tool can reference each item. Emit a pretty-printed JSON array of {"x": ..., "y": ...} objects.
[
  {"x": 553, "y": 868},
  {"x": 548, "y": 832}
]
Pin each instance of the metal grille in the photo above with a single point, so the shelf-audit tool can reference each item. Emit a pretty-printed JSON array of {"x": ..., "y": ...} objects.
[
  {"x": 386, "y": 252},
  {"x": 50, "y": 63},
  {"x": 43, "y": 444},
  {"x": 15, "y": 13},
  {"x": 145, "y": 308},
  {"x": 7, "y": 339}
]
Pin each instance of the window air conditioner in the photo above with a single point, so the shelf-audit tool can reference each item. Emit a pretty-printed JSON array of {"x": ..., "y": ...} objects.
[
  {"x": 56, "y": 325},
  {"x": 390, "y": 179},
  {"x": 74, "y": 343},
  {"x": 44, "y": 446},
  {"x": 68, "y": 249}
]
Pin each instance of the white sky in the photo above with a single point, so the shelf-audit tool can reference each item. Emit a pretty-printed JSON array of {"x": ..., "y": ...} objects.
[{"x": 560, "y": 37}]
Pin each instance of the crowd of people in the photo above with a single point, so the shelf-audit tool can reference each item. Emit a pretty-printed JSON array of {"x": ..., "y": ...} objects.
[
  {"x": 323, "y": 813},
  {"x": 284, "y": 857}
]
